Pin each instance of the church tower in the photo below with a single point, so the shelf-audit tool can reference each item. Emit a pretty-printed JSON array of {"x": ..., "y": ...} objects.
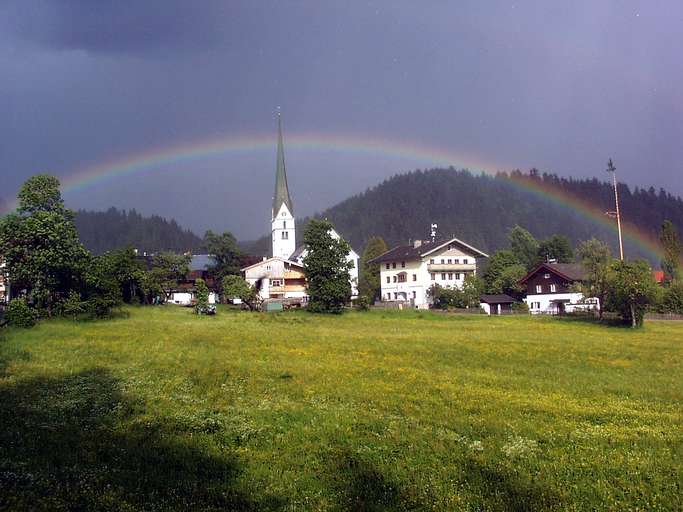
[{"x": 282, "y": 216}]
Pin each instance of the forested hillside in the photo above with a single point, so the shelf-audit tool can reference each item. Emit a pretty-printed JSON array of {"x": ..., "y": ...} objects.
[
  {"x": 115, "y": 229},
  {"x": 481, "y": 209}
]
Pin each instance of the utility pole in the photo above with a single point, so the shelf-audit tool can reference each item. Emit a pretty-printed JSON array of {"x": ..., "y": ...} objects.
[{"x": 613, "y": 170}]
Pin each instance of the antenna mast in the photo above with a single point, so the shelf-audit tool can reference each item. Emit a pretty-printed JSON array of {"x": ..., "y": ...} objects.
[{"x": 613, "y": 170}]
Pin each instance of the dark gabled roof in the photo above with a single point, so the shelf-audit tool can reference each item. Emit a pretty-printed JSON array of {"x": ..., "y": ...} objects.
[
  {"x": 281, "y": 194},
  {"x": 568, "y": 271},
  {"x": 299, "y": 251},
  {"x": 500, "y": 298},
  {"x": 409, "y": 252}
]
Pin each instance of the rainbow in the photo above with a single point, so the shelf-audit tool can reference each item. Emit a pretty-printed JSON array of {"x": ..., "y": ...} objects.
[{"x": 158, "y": 159}]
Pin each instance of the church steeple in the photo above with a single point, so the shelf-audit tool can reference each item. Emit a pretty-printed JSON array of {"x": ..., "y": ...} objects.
[
  {"x": 282, "y": 217},
  {"x": 281, "y": 189}
]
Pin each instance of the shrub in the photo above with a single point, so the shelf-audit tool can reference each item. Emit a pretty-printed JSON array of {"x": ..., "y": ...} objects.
[
  {"x": 363, "y": 303},
  {"x": 73, "y": 305},
  {"x": 20, "y": 314},
  {"x": 520, "y": 307},
  {"x": 673, "y": 298},
  {"x": 202, "y": 293},
  {"x": 100, "y": 306}
]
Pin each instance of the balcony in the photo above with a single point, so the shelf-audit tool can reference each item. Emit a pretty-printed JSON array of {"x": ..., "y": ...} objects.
[{"x": 451, "y": 267}]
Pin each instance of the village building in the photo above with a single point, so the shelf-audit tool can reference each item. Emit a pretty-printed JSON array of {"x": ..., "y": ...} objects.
[
  {"x": 185, "y": 292},
  {"x": 407, "y": 272},
  {"x": 550, "y": 289},
  {"x": 282, "y": 275},
  {"x": 497, "y": 304}
]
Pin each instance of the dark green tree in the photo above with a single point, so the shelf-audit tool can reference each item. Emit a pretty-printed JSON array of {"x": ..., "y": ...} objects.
[
  {"x": 202, "y": 296},
  {"x": 225, "y": 254},
  {"x": 596, "y": 258},
  {"x": 472, "y": 288},
  {"x": 495, "y": 267},
  {"x": 368, "y": 281},
  {"x": 40, "y": 245},
  {"x": 326, "y": 268},
  {"x": 631, "y": 290},
  {"x": 671, "y": 243},
  {"x": 558, "y": 248},
  {"x": 524, "y": 246},
  {"x": 672, "y": 301}
]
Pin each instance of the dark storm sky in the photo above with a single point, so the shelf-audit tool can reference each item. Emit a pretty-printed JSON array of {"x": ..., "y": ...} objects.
[{"x": 560, "y": 86}]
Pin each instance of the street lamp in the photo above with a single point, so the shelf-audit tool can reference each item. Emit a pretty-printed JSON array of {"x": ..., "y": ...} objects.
[{"x": 613, "y": 170}]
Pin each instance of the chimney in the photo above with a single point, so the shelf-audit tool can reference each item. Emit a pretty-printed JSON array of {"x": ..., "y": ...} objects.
[
  {"x": 264, "y": 258},
  {"x": 417, "y": 243}
]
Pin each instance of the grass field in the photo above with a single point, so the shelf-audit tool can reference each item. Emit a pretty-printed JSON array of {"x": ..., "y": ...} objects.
[{"x": 161, "y": 410}]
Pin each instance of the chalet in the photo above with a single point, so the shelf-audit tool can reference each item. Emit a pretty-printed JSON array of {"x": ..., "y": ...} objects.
[
  {"x": 499, "y": 304},
  {"x": 277, "y": 278},
  {"x": 549, "y": 289},
  {"x": 408, "y": 271}
]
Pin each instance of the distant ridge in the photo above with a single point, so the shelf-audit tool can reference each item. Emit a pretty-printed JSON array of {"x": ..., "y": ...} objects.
[
  {"x": 116, "y": 229},
  {"x": 481, "y": 209}
]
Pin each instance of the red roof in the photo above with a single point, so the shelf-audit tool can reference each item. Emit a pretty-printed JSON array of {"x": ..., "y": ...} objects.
[{"x": 658, "y": 276}]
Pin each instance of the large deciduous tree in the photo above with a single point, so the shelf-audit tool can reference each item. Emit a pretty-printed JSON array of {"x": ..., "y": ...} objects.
[
  {"x": 631, "y": 290},
  {"x": 169, "y": 268},
  {"x": 672, "y": 246},
  {"x": 326, "y": 268},
  {"x": 524, "y": 246},
  {"x": 595, "y": 257},
  {"x": 226, "y": 256},
  {"x": 236, "y": 287},
  {"x": 557, "y": 248},
  {"x": 368, "y": 282},
  {"x": 40, "y": 244}
]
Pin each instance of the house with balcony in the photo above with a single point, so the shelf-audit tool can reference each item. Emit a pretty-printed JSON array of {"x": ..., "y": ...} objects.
[
  {"x": 407, "y": 272},
  {"x": 551, "y": 290},
  {"x": 277, "y": 278}
]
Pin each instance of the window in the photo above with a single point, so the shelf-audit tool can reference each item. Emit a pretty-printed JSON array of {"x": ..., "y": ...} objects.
[
  {"x": 433, "y": 276},
  {"x": 546, "y": 276},
  {"x": 414, "y": 294},
  {"x": 403, "y": 264},
  {"x": 464, "y": 261},
  {"x": 276, "y": 282},
  {"x": 450, "y": 261},
  {"x": 443, "y": 262},
  {"x": 431, "y": 261},
  {"x": 394, "y": 279},
  {"x": 284, "y": 224},
  {"x": 388, "y": 279},
  {"x": 458, "y": 276},
  {"x": 283, "y": 214},
  {"x": 393, "y": 265},
  {"x": 457, "y": 261},
  {"x": 553, "y": 288},
  {"x": 387, "y": 266},
  {"x": 450, "y": 276},
  {"x": 285, "y": 235},
  {"x": 539, "y": 288},
  {"x": 396, "y": 296},
  {"x": 267, "y": 267},
  {"x": 443, "y": 276},
  {"x": 414, "y": 277},
  {"x": 402, "y": 277}
]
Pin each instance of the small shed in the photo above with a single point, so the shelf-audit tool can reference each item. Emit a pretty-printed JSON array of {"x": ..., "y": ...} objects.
[{"x": 500, "y": 304}]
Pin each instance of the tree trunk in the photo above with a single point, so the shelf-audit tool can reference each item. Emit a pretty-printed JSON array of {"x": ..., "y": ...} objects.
[{"x": 633, "y": 316}]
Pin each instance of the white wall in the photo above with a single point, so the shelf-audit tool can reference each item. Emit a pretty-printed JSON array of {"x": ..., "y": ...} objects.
[
  {"x": 283, "y": 222},
  {"x": 543, "y": 303}
]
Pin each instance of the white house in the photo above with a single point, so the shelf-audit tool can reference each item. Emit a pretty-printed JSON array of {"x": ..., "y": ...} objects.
[
  {"x": 4, "y": 284},
  {"x": 277, "y": 278},
  {"x": 549, "y": 289},
  {"x": 408, "y": 271}
]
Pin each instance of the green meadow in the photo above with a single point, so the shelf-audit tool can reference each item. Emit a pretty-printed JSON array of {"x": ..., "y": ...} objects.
[{"x": 158, "y": 409}]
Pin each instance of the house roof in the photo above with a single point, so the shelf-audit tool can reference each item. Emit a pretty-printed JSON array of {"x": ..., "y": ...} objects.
[
  {"x": 410, "y": 252},
  {"x": 281, "y": 194},
  {"x": 500, "y": 298},
  {"x": 201, "y": 262},
  {"x": 299, "y": 251},
  {"x": 568, "y": 271},
  {"x": 658, "y": 276},
  {"x": 274, "y": 258}
]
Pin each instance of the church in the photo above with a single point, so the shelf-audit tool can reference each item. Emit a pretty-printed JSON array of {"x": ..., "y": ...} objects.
[{"x": 281, "y": 276}]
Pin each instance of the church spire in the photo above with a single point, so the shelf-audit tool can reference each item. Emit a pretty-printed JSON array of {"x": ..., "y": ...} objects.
[{"x": 281, "y": 189}]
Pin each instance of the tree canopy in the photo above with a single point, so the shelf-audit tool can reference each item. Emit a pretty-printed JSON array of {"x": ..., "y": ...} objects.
[{"x": 369, "y": 279}]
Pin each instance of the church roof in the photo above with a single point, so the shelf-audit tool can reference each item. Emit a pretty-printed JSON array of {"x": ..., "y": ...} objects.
[{"x": 281, "y": 189}]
